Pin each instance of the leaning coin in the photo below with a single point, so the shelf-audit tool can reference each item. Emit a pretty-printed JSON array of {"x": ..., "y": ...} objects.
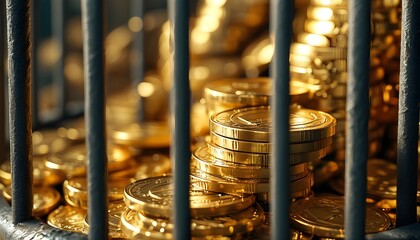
[
  {"x": 154, "y": 196},
  {"x": 67, "y": 218}
]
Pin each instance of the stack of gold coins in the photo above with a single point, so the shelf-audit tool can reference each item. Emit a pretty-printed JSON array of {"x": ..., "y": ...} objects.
[
  {"x": 228, "y": 94},
  {"x": 236, "y": 160},
  {"x": 386, "y": 21},
  {"x": 319, "y": 58},
  {"x": 323, "y": 217},
  {"x": 213, "y": 215}
]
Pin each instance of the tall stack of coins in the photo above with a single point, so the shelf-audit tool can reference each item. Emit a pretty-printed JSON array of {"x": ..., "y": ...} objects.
[
  {"x": 319, "y": 58},
  {"x": 214, "y": 215},
  {"x": 236, "y": 160},
  {"x": 386, "y": 20}
]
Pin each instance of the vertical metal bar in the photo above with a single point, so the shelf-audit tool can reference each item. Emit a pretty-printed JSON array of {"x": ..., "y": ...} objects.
[
  {"x": 408, "y": 113},
  {"x": 357, "y": 107},
  {"x": 58, "y": 22},
  {"x": 137, "y": 65},
  {"x": 93, "y": 36},
  {"x": 281, "y": 15},
  {"x": 34, "y": 64},
  {"x": 3, "y": 81},
  {"x": 18, "y": 15},
  {"x": 180, "y": 110}
]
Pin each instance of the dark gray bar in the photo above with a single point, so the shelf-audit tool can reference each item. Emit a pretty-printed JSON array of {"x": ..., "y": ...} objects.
[
  {"x": 137, "y": 64},
  {"x": 281, "y": 16},
  {"x": 93, "y": 35},
  {"x": 357, "y": 107},
  {"x": 3, "y": 81},
  {"x": 34, "y": 64},
  {"x": 19, "y": 52},
  {"x": 408, "y": 113},
  {"x": 180, "y": 110},
  {"x": 58, "y": 33}
]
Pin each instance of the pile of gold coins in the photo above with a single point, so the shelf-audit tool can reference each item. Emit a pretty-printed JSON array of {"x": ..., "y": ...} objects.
[{"x": 149, "y": 206}]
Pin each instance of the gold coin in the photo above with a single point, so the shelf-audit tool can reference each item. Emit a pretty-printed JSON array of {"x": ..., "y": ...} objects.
[
  {"x": 132, "y": 227},
  {"x": 328, "y": 3},
  {"x": 254, "y": 124},
  {"x": 67, "y": 218},
  {"x": 212, "y": 183},
  {"x": 145, "y": 135},
  {"x": 332, "y": 66},
  {"x": 243, "y": 221},
  {"x": 76, "y": 191},
  {"x": 262, "y": 158},
  {"x": 316, "y": 40},
  {"x": 45, "y": 199},
  {"x": 262, "y": 147},
  {"x": 73, "y": 161},
  {"x": 153, "y": 165},
  {"x": 203, "y": 161},
  {"x": 382, "y": 179},
  {"x": 302, "y": 184},
  {"x": 249, "y": 91},
  {"x": 328, "y": 28},
  {"x": 42, "y": 176},
  {"x": 129, "y": 172},
  {"x": 323, "y": 53},
  {"x": 153, "y": 196},
  {"x": 324, "y": 217},
  {"x": 378, "y": 4},
  {"x": 327, "y": 13},
  {"x": 115, "y": 209}
]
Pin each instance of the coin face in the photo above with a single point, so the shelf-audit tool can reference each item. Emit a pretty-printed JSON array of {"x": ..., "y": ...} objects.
[
  {"x": 154, "y": 196},
  {"x": 254, "y": 124},
  {"x": 324, "y": 217},
  {"x": 67, "y": 218}
]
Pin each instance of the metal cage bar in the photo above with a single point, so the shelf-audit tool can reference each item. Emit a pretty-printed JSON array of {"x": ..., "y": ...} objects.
[
  {"x": 281, "y": 30},
  {"x": 408, "y": 113},
  {"x": 20, "y": 121},
  {"x": 34, "y": 64},
  {"x": 180, "y": 114},
  {"x": 93, "y": 35},
  {"x": 357, "y": 107}
]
